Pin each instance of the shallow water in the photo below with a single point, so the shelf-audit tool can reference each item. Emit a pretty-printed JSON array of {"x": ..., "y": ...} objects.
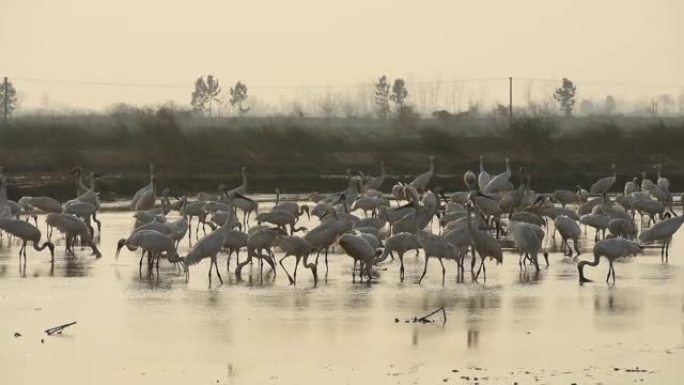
[{"x": 516, "y": 327}]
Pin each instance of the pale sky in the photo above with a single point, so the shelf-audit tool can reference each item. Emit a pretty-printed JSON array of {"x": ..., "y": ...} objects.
[{"x": 318, "y": 42}]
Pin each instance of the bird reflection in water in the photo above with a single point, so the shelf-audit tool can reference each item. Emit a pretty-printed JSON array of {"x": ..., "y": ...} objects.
[{"x": 473, "y": 338}]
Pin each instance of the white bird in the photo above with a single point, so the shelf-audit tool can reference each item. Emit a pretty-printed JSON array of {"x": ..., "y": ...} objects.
[
  {"x": 483, "y": 244},
  {"x": 603, "y": 185},
  {"x": 646, "y": 184},
  {"x": 323, "y": 236},
  {"x": 375, "y": 183},
  {"x": 146, "y": 197},
  {"x": 241, "y": 189},
  {"x": 86, "y": 211},
  {"x": 483, "y": 177},
  {"x": 247, "y": 206},
  {"x": 662, "y": 231},
  {"x": 582, "y": 193},
  {"x": 598, "y": 221},
  {"x": 154, "y": 243},
  {"x": 649, "y": 207},
  {"x": 361, "y": 251},
  {"x": 631, "y": 186},
  {"x": 235, "y": 240},
  {"x": 27, "y": 233},
  {"x": 421, "y": 182},
  {"x": 72, "y": 227},
  {"x": 621, "y": 227},
  {"x": 281, "y": 219},
  {"x": 90, "y": 196},
  {"x": 400, "y": 244},
  {"x": 662, "y": 181},
  {"x": 299, "y": 248},
  {"x": 258, "y": 243},
  {"x": 203, "y": 196},
  {"x": 196, "y": 209},
  {"x": 500, "y": 181},
  {"x": 46, "y": 204},
  {"x": 81, "y": 187},
  {"x": 528, "y": 239},
  {"x": 568, "y": 229},
  {"x": 611, "y": 249},
  {"x": 565, "y": 197},
  {"x": 210, "y": 245},
  {"x": 291, "y": 206},
  {"x": 207, "y": 247},
  {"x": 20, "y": 229}
]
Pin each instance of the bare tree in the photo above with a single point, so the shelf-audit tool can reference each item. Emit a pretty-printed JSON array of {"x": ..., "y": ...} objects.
[
  {"x": 565, "y": 96},
  {"x": 382, "y": 89},
  {"x": 238, "y": 95},
  {"x": 8, "y": 98},
  {"x": 610, "y": 105},
  {"x": 328, "y": 106},
  {"x": 205, "y": 93},
  {"x": 399, "y": 93}
]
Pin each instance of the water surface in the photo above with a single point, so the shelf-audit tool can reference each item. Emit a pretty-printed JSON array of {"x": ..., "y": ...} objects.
[{"x": 516, "y": 327}]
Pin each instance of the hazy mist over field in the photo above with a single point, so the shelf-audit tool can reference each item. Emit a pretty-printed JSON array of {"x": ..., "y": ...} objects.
[{"x": 281, "y": 49}]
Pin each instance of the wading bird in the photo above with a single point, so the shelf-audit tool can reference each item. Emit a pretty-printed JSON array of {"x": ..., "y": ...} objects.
[{"x": 611, "y": 249}]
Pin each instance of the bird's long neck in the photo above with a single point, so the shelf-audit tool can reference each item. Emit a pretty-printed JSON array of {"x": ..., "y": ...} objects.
[
  {"x": 277, "y": 197},
  {"x": 469, "y": 221},
  {"x": 659, "y": 174},
  {"x": 432, "y": 166},
  {"x": 580, "y": 266},
  {"x": 244, "y": 178},
  {"x": 481, "y": 165}
]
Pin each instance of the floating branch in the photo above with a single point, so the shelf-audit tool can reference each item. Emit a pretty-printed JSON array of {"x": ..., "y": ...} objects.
[{"x": 58, "y": 329}]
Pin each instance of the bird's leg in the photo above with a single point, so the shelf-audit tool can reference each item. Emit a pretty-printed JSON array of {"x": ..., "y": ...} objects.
[
  {"x": 427, "y": 258},
  {"x": 667, "y": 250},
  {"x": 21, "y": 250},
  {"x": 401, "y": 268},
  {"x": 326, "y": 261},
  {"x": 158, "y": 255},
  {"x": 443, "y": 270},
  {"x": 141, "y": 260},
  {"x": 297, "y": 258},
  {"x": 283, "y": 266},
  {"x": 472, "y": 260},
  {"x": 213, "y": 260},
  {"x": 576, "y": 241},
  {"x": 610, "y": 268},
  {"x": 99, "y": 224}
]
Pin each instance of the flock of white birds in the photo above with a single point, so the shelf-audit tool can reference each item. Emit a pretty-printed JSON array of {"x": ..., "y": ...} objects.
[{"x": 362, "y": 221}]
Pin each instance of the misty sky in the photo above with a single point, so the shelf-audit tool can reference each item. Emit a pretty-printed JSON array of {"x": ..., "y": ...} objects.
[{"x": 316, "y": 42}]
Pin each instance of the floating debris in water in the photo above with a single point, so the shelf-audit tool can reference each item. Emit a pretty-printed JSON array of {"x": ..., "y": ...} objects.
[
  {"x": 58, "y": 329},
  {"x": 426, "y": 318}
]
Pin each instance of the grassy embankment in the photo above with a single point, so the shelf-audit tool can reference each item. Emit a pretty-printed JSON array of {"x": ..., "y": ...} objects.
[{"x": 304, "y": 154}]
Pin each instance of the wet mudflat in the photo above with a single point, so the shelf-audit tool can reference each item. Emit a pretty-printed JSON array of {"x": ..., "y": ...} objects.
[{"x": 516, "y": 326}]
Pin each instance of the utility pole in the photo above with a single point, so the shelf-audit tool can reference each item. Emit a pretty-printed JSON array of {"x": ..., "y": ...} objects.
[
  {"x": 5, "y": 92},
  {"x": 510, "y": 100}
]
